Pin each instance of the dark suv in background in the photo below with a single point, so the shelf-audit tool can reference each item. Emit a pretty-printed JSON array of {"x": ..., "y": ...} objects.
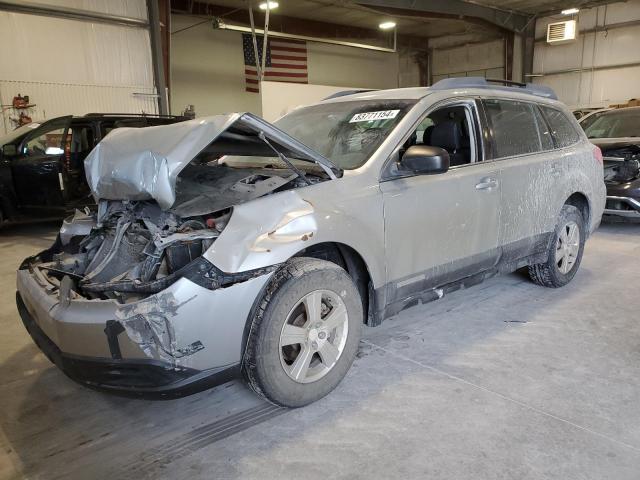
[
  {"x": 617, "y": 133},
  {"x": 42, "y": 164}
]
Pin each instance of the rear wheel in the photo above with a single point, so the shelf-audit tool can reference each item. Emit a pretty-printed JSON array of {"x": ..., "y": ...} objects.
[
  {"x": 565, "y": 251},
  {"x": 304, "y": 334}
]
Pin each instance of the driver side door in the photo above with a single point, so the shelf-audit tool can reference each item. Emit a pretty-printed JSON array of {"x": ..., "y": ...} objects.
[
  {"x": 37, "y": 170},
  {"x": 444, "y": 227}
]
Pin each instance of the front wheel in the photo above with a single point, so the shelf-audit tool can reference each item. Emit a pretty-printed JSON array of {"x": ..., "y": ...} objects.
[
  {"x": 304, "y": 334},
  {"x": 565, "y": 251}
]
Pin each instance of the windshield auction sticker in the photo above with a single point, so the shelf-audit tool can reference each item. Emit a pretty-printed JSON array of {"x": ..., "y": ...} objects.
[{"x": 371, "y": 116}]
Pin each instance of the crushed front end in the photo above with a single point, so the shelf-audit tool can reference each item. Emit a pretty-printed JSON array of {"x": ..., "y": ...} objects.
[
  {"x": 622, "y": 178},
  {"x": 125, "y": 301}
]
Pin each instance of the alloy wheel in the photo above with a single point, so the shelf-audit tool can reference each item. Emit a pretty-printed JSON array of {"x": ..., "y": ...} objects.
[
  {"x": 567, "y": 247},
  {"x": 314, "y": 336}
]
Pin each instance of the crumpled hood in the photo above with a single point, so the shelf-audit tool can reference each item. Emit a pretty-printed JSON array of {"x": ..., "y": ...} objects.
[{"x": 143, "y": 163}]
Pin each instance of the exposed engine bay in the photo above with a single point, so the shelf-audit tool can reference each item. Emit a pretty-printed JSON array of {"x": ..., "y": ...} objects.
[
  {"x": 622, "y": 164},
  {"x": 128, "y": 250}
]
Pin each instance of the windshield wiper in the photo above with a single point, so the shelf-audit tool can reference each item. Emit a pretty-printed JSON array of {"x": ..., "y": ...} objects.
[{"x": 288, "y": 162}]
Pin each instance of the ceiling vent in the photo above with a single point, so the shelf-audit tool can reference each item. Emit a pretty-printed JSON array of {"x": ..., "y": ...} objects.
[{"x": 560, "y": 32}]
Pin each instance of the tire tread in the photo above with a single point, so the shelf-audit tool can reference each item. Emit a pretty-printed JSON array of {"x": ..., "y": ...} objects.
[
  {"x": 294, "y": 268},
  {"x": 544, "y": 274}
]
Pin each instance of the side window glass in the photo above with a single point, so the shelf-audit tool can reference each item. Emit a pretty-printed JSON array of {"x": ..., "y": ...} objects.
[
  {"x": 543, "y": 130},
  {"x": 561, "y": 127},
  {"x": 447, "y": 128},
  {"x": 48, "y": 143},
  {"x": 514, "y": 127}
]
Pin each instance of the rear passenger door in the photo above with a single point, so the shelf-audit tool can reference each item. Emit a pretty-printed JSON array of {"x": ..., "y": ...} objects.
[{"x": 523, "y": 147}]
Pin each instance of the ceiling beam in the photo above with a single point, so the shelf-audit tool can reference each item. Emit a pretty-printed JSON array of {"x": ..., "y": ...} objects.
[
  {"x": 276, "y": 21},
  {"x": 70, "y": 13},
  {"x": 294, "y": 25},
  {"x": 462, "y": 10}
]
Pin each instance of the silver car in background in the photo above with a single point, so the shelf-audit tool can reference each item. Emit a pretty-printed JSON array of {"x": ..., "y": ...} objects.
[{"x": 227, "y": 246}]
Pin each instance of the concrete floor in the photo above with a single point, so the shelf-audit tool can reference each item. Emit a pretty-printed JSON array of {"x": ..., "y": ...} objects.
[{"x": 504, "y": 380}]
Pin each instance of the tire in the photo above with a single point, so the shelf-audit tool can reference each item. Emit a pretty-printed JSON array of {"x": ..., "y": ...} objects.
[
  {"x": 269, "y": 364},
  {"x": 554, "y": 273}
]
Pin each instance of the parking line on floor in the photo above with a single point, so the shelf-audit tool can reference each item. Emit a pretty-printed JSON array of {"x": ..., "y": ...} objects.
[{"x": 501, "y": 395}]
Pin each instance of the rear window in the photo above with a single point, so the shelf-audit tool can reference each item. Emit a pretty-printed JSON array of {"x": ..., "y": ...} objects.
[
  {"x": 514, "y": 127},
  {"x": 561, "y": 126}
]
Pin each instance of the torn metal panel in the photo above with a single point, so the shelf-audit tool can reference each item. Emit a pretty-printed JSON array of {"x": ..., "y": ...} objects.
[
  {"x": 149, "y": 324},
  {"x": 185, "y": 325},
  {"x": 78, "y": 225}
]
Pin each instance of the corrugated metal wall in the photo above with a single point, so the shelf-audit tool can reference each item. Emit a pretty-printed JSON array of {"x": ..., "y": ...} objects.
[
  {"x": 612, "y": 51},
  {"x": 76, "y": 67},
  {"x": 476, "y": 60}
]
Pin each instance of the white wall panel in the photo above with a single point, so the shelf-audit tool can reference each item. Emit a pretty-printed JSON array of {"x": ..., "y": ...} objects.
[
  {"x": 207, "y": 70},
  {"x": 38, "y": 48},
  {"x": 483, "y": 59},
  {"x": 280, "y": 98},
  {"x": 348, "y": 66},
  {"x": 73, "y": 66},
  {"x": 606, "y": 47},
  {"x": 125, "y": 8},
  {"x": 54, "y": 99}
]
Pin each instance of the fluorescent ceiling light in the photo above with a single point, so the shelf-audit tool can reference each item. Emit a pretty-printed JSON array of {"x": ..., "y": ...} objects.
[
  {"x": 271, "y": 5},
  {"x": 387, "y": 25},
  {"x": 570, "y": 11}
]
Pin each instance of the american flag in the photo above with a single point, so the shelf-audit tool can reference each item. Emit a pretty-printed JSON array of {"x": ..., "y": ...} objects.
[{"x": 286, "y": 61}]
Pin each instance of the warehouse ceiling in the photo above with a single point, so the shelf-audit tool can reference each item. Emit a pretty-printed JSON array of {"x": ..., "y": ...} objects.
[
  {"x": 348, "y": 19},
  {"x": 358, "y": 21},
  {"x": 537, "y": 7}
]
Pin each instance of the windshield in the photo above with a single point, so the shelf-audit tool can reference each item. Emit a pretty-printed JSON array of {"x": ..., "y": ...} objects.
[
  {"x": 613, "y": 124},
  {"x": 347, "y": 133},
  {"x": 12, "y": 136}
]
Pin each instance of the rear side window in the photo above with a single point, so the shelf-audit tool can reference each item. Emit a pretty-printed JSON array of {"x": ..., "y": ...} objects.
[
  {"x": 544, "y": 131},
  {"x": 514, "y": 127},
  {"x": 562, "y": 128}
]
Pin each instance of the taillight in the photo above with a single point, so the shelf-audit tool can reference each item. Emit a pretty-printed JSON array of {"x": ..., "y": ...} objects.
[{"x": 597, "y": 154}]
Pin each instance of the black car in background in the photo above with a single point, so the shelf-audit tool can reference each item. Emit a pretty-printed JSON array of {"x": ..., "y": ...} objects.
[
  {"x": 617, "y": 133},
  {"x": 42, "y": 164}
]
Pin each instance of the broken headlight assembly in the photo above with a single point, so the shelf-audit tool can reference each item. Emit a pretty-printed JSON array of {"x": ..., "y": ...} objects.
[{"x": 134, "y": 249}]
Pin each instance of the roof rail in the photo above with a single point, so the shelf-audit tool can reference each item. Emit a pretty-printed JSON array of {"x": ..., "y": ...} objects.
[
  {"x": 141, "y": 115},
  {"x": 481, "y": 82},
  {"x": 344, "y": 93}
]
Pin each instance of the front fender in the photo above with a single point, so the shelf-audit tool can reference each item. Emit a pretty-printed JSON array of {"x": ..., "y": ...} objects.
[{"x": 272, "y": 229}]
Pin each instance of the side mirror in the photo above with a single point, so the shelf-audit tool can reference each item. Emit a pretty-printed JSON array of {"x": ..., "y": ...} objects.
[
  {"x": 425, "y": 160},
  {"x": 9, "y": 150}
]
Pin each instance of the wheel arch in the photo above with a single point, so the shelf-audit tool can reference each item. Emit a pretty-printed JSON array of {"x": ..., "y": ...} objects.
[
  {"x": 344, "y": 256},
  {"x": 582, "y": 203},
  {"x": 354, "y": 263}
]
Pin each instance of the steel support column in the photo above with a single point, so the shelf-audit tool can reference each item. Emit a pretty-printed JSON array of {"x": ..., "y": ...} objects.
[
  {"x": 153, "y": 14},
  {"x": 528, "y": 43}
]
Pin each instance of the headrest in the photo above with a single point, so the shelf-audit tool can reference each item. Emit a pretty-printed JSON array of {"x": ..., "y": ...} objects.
[
  {"x": 447, "y": 135},
  {"x": 426, "y": 135}
]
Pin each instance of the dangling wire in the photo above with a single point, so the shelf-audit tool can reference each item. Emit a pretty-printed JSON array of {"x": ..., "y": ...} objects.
[
  {"x": 264, "y": 41},
  {"x": 255, "y": 42}
]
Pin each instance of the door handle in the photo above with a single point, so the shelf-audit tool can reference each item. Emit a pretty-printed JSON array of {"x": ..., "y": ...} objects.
[
  {"x": 555, "y": 170},
  {"x": 487, "y": 183}
]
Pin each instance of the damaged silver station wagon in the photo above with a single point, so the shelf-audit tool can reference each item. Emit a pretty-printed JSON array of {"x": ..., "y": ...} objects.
[{"x": 227, "y": 246}]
